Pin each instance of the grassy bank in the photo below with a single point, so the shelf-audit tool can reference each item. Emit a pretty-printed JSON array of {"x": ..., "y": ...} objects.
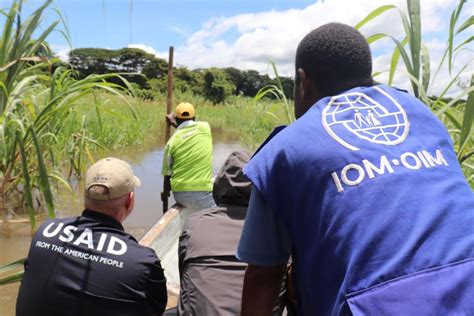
[{"x": 112, "y": 124}]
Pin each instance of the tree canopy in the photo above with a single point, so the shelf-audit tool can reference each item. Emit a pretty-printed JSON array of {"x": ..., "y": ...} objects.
[{"x": 148, "y": 72}]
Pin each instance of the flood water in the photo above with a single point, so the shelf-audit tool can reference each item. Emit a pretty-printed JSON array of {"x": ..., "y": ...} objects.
[{"x": 15, "y": 238}]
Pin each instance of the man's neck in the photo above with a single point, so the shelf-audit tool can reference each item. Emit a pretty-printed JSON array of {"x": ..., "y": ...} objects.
[
  {"x": 103, "y": 217},
  {"x": 111, "y": 213},
  {"x": 185, "y": 124}
]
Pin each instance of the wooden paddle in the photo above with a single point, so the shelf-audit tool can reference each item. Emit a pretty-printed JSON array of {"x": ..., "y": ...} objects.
[{"x": 169, "y": 106}]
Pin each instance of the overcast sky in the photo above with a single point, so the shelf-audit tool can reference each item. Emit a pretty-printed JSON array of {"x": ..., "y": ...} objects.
[{"x": 243, "y": 33}]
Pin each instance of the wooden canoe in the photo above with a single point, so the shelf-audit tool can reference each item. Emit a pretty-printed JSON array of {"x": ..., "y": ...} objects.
[{"x": 163, "y": 237}]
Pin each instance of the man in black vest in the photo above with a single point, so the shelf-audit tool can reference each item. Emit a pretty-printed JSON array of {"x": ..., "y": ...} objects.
[{"x": 88, "y": 265}]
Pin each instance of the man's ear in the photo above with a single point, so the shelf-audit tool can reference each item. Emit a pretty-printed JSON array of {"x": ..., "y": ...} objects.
[
  {"x": 302, "y": 87},
  {"x": 130, "y": 198},
  {"x": 309, "y": 94},
  {"x": 312, "y": 93}
]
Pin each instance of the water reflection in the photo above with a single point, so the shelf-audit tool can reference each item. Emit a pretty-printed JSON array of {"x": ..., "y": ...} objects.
[{"x": 15, "y": 238}]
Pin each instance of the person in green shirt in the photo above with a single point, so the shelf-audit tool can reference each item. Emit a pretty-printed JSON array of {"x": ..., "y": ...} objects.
[{"x": 187, "y": 160}]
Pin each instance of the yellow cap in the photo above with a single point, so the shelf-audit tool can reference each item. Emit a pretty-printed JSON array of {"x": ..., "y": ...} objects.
[
  {"x": 185, "y": 111},
  {"x": 114, "y": 174}
]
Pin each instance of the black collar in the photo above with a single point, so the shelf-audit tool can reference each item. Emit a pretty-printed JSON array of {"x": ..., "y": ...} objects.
[{"x": 103, "y": 218}]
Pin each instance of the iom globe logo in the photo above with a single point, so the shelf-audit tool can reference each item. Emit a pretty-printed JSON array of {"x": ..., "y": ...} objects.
[{"x": 355, "y": 116}]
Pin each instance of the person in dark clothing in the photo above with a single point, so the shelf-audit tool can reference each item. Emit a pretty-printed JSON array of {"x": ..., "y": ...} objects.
[
  {"x": 211, "y": 276},
  {"x": 88, "y": 265}
]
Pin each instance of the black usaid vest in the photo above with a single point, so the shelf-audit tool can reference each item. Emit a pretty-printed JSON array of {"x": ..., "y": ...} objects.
[{"x": 86, "y": 265}]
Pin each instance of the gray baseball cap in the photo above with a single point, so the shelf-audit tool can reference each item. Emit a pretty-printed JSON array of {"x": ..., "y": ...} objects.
[{"x": 114, "y": 174}]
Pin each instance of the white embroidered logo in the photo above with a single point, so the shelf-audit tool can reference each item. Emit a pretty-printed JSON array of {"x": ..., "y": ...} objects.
[{"x": 362, "y": 116}]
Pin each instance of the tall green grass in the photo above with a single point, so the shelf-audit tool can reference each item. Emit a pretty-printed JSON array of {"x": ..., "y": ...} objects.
[
  {"x": 16, "y": 276},
  {"x": 249, "y": 119},
  {"x": 278, "y": 93},
  {"x": 457, "y": 113},
  {"x": 35, "y": 104}
]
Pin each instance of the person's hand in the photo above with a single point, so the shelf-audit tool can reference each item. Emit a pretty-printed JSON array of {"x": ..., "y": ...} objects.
[
  {"x": 165, "y": 195},
  {"x": 171, "y": 119}
]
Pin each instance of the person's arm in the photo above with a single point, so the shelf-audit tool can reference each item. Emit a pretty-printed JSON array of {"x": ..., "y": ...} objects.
[
  {"x": 166, "y": 171},
  {"x": 261, "y": 289},
  {"x": 171, "y": 120},
  {"x": 156, "y": 290},
  {"x": 265, "y": 245},
  {"x": 166, "y": 188}
]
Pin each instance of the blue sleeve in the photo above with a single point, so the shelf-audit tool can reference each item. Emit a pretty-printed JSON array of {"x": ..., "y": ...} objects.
[{"x": 264, "y": 241}]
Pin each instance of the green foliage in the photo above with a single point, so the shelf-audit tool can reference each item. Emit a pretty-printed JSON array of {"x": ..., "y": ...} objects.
[
  {"x": 15, "y": 277},
  {"x": 115, "y": 126},
  {"x": 456, "y": 113},
  {"x": 20, "y": 58},
  {"x": 157, "y": 85},
  {"x": 145, "y": 94},
  {"x": 246, "y": 82},
  {"x": 278, "y": 91},
  {"x": 130, "y": 62},
  {"x": 249, "y": 82},
  {"x": 185, "y": 80},
  {"x": 115, "y": 130},
  {"x": 216, "y": 85},
  {"x": 156, "y": 68},
  {"x": 246, "y": 117},
  {"x": 35, "y": 106}
]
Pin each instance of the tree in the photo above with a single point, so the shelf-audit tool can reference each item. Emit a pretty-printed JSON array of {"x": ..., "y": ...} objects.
[
  {"x": 254, "y": 81},
  {"x": 217, "y": 86},
  {"x": 156, "y": 68},
  {"x": 288, "y": 86},
  {"x": 150, "y": 72},
  {"x": 249, "y": 82},
  {"x": 237, "y": 77},
  {"x": 186, "y": 80},
  {"x": 135, "y": 61}
]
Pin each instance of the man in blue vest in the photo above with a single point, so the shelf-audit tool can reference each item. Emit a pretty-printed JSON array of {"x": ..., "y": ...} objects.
[{"x": 364, "y": 192}]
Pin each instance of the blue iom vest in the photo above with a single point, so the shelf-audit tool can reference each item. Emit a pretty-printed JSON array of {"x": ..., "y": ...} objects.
[{"x": 379, "y": 212}]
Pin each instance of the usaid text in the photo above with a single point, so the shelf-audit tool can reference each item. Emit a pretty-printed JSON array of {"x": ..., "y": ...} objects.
[{"x": 110, "y": 244}]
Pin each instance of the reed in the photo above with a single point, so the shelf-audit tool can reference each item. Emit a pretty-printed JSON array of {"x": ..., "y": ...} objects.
[
  {"x": 456, "y": 113},
  {"x": 15, "y": 270},
  {"x": 249, "y": 119},
  {"x": 277, "y": 92},
  {"x": 35, "y": 104}
]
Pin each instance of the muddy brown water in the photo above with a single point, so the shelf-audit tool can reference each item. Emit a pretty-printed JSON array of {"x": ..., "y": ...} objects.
[{"x": 15, "y": 238}]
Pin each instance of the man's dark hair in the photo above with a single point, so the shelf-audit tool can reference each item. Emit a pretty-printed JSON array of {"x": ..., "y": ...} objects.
[{"x": 336, "y": 57}]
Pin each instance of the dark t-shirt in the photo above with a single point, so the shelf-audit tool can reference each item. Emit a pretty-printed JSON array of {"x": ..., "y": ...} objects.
[
  {"x": 88, "y": 265},
  {"x": 211, "y": 276}
]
